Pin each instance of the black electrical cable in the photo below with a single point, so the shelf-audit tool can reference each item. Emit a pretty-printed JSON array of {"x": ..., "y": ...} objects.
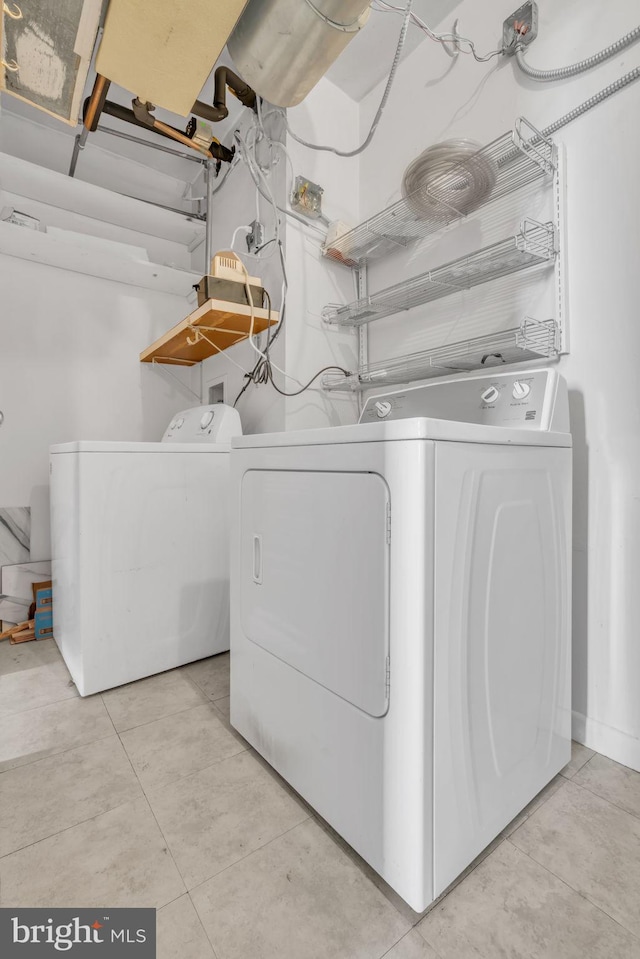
[
  {"x": 324, "y": 369},
  {"x": 262, "y": 373}
]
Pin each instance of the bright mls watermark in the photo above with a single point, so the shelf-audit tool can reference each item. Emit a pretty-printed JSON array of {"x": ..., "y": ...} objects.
[{"x": 34, "y": 933}]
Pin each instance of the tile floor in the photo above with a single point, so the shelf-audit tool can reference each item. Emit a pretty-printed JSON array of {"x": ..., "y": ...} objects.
[{"x": 145, "y": 795}]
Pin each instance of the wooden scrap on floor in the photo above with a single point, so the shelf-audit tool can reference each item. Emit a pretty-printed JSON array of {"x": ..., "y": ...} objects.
[{"x": 20, "y": 633}]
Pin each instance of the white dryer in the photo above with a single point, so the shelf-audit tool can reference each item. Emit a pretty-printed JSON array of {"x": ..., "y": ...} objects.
[
  {"x": 400, "y": 616},
  {"x": 140, "y": 544}
]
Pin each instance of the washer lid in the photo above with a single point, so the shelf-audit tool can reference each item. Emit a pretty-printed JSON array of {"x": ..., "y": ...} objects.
[{"x": 106, "y": 446}]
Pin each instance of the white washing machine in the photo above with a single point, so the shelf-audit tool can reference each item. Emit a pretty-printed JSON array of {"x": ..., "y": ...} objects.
[
  {"x": 140, "y": 543},
  {"x": 400, "y": 616}
]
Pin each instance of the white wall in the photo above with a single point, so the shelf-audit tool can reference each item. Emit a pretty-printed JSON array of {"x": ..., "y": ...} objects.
[
  {"x": 69, "y": 366},
  {"x": 305, "y": 345},
  {"x": 234, "y": 205},
  {"x": 327, "y": 116},
  {"x": 436, "y": 98}
]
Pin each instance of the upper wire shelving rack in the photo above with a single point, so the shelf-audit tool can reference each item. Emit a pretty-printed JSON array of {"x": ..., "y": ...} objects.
[{"x": 518, "y": 158}]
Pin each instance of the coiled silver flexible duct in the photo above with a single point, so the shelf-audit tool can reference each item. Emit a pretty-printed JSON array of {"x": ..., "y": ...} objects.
[{"x": 561, "y": 73}]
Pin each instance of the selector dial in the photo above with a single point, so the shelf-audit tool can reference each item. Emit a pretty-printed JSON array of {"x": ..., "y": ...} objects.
[
  {"x": 521, "y": 390},
  {"x": 178, "y": 423},
  {"x": 490, "y": 395},
  {"x": 207, "y": 419},
  {"x": 383, "y": 409}
]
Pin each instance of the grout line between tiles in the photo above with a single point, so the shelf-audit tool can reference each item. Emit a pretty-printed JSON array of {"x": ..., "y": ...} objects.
[
  {"x": 195, "y": 683},
  {"x": 460, "y": 879},
  {"x": 166, "y": 841},
  {"x": 194, "y": 772},
  {"x": 417, "y": 931},
  {"x": 247, "y": 856},
  {"x": 573, "y": 889},
  {"x": 31, "y": 709},
  {"x": 605, "y": 799},
  {"x": 576, "y": 771},
  {"x": 74, "y": 826},
  {"x": 209, "y": 940},
  {"x": 155, "y": 818},
  {"x": 49, "y": 754},
  {"x": 158, "y": 718},
  {"x": 62, "y": 752}
]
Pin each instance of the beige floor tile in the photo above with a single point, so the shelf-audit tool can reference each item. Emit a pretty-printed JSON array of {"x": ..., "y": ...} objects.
[
  {"x": 151, "y": 699},
  {"x": 512, "y": 908},
  {"x": 45, "y": 797},
  {"x": 579, "y": 756},
  {"x": 223, "y": 706},
  {"x": 299, "y": 897},
  {"x": 211, "y": 675},
  {"x": 116, "y": 859},
  {"x": 37, "y": 733},
  {"x": 619, "y": 784},
  {"x": 180, "y": 934},
  {"x": 368, "y": 871},
  {"x": 541, "y": 798},
  {"x": 590, "y": 844},
  {"x": 220, "y": 815},
  {"x": 39, "y": 686},
  {"x": 21, "y": 656},
  {"x": 179, "y": 745},
  {"x": 412, "y": 946}
]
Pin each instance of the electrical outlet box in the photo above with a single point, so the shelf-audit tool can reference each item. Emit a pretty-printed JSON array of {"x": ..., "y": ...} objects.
[
  {"x": 307, "y": 198},
  {"x": 521, "y": 28},
  {"x": 255, "y": 239}
]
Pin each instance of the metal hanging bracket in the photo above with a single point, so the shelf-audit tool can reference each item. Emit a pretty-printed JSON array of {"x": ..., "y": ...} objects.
[{"x": 162, "y": 365}]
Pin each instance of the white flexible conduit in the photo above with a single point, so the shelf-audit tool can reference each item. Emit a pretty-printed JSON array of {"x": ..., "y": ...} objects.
[
  {"x": 383, "y": 101},
  {"x": 561, "y": 73}
]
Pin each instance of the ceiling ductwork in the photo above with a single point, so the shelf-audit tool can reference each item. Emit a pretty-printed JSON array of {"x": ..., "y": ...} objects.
[{"x": 283, "y": 47}]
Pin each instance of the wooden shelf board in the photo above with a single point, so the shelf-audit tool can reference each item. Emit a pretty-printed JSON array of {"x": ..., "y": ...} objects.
[{"x": 223, "y": 323}]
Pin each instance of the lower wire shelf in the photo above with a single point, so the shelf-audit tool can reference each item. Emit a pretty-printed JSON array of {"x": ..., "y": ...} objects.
[{"x": 531, "y": 340}]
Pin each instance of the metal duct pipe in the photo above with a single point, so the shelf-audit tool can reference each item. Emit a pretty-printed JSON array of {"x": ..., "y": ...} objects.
[{"x": 283, "y": 47}]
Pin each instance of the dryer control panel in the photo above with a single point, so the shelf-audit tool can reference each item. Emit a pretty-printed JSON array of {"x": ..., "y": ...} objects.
[
  {"x": 522, "y": 399},
  {"x": 217, "y": 423}
]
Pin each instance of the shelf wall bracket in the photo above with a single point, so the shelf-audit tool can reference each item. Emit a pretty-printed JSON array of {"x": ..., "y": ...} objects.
[{"x": 163, "y": 369}]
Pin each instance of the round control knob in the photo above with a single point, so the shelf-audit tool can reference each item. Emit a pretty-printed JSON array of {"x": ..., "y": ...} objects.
[
  {"x": 383, "y": 409},
  {"x": 207, "y": 419},
  {"x": 490, "y": 395},
  {"x": 521, "y": 390},
  {"x": 178, "y": 423}
]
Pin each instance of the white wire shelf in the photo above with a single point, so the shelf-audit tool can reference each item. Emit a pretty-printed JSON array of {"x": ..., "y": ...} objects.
[
  {"x": 531, "y": 340},
  {"x": 533, "y": 245},
  {"x": 514, "y": 160}
]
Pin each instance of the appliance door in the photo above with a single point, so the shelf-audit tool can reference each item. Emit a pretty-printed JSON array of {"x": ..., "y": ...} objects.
[
  {"x": 502, "y": 640},
  {"x": 315, "y": 577}
]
